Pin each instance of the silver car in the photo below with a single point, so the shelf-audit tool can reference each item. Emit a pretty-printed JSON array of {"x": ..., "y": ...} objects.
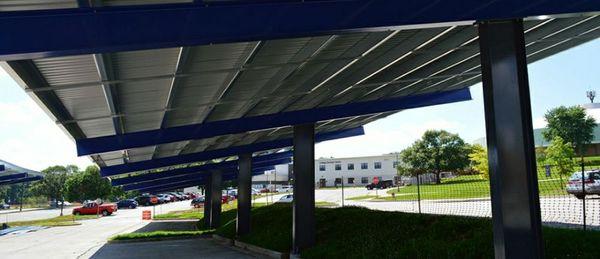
[{"x": 591, "y": 180}]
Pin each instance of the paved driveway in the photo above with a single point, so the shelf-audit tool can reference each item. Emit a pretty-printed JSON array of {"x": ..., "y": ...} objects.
[
  {"x": 188, "y": 248},
  {"x": 77, "y": 241}
]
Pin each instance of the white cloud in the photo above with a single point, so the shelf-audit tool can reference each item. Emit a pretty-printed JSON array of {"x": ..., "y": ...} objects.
[
  {"x": 31, "y": 140},
  {"x": 539, "y": 123}
]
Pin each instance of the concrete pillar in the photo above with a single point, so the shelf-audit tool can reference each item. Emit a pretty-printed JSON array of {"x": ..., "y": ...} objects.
[
  {"x": 304, "y": 228},
  {"x": 509, "y": 130},
  {"x": 216, "y": 194},
  {"x": 244, "y": 194}
]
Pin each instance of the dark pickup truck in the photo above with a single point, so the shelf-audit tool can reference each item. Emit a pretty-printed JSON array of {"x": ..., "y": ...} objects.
[{"x": 381, "y": 185}]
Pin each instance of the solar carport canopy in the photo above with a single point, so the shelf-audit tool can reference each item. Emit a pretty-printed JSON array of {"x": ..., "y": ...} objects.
[
  {"x": 11, "y": 174},
  {"x": 133, "y": 102}
]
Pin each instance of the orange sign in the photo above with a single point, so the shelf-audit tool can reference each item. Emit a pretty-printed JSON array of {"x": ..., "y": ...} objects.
[{"x": 146, "y": 215}]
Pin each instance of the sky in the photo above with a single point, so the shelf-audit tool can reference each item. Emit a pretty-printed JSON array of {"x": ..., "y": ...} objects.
[{"x": 29, "y": 138}]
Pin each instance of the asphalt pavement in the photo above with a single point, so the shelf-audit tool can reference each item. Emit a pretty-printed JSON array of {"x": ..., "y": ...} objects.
[{"x": 80, "y": 241}]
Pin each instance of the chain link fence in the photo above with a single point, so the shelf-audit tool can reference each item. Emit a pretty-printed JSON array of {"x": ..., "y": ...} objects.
[{"x": 562, "y": 200}]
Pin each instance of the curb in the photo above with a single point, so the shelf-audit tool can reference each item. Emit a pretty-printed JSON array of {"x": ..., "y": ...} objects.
[{"x": 262, "y": 252}]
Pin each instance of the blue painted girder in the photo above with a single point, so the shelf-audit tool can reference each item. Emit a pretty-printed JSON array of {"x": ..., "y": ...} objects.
[
  {"x": 233, "y": 126},
  {"x": 12, "y": 177},
  {"x": 171, "y": 186},
  {"x": 2, "y": 168},
  {"x": 219, "y": 153},
  {"x": 45, "y": 33},
  {"x": 194, "y": 179},
  {"x": 181, "y": 174},
  {"x": 22, "y": 180}
]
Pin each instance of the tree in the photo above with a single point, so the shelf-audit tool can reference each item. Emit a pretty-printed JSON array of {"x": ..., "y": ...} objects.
[
  {"x": 479, "y": 160},
  {"x": 560, "y": 154},
  {"x": 437, "y": 151},
  {"x": 87, "y": 185},
  {"x": 571, "y": 124},
  {"x": 52, "y": 186}
]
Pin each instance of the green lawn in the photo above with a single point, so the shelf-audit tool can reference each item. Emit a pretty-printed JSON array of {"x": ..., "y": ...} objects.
[
  {"x": 158, "y": 235},
  {"x": 66, "y": 220},
  {"x": 195, "y": 213},
  {"x": 352, "y": 232},
  {"x": 464, "y": 187}
]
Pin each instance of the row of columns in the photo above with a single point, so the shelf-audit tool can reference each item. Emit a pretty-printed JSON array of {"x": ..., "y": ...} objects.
[
  {"x": 513, "y": 178},
  {"x": 304, "y": 191}
]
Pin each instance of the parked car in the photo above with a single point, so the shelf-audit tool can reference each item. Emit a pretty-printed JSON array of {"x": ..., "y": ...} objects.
[
  {"x": 285, "y": 188},
  {"x": 4, "y": 206},
  {"x": 128, "y": 203},
  {"x": 163, "y": 198},
  {"x": 178, "y": 196},
  {"x": 383, "y": 184},
  {"x": 231, "y": 192},
  {"x": 92, "y": 208},
  {"x": 591, "y": 181},
  {"x": 57, "y": 204},
  {"x": 286, "y": 199},
  {"x": 147, "y": 200},
  {"x": 198, "y": 202}
]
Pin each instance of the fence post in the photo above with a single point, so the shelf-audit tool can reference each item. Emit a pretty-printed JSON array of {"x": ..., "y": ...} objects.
[
  {"x": 419, "y": 191},
  {"x": 583, "y": 190}
]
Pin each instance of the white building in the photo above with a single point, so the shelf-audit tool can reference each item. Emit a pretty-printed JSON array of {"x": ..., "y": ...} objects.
[{"x": 354, "y": 171}]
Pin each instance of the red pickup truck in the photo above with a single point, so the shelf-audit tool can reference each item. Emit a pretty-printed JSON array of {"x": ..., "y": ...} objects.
[{"x": 92, "y": 208}]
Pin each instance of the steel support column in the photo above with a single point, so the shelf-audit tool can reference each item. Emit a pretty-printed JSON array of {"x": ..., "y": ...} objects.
[
  {"x": 216, "y": 180},
  {"x": 513, "y": 179},
  {"x": 207, "y": 202},
  {"x": 244, "y": 194},
  {"x": 303, "y": 228}
]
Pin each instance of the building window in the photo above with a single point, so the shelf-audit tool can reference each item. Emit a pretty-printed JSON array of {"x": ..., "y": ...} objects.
[
  {"x": 350, "y": 180},
  {"x": 321, "y": 167},
  {"x": 395, "y": 164},
  {"x": 338, "y": 167},
  {"x": 364, "y": 180},
  {"x": 338, "y": 181},
  {"x": 350, "y": 166},
  {"x": 364, "y": 166},
  {"x": 377, "y": 165}
]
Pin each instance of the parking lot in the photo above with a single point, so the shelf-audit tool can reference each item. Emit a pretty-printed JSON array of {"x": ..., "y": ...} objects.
[{"x": 80, "y": 241}]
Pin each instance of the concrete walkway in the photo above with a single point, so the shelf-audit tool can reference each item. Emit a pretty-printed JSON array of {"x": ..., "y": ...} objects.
[{"x": 187, "y": 248}]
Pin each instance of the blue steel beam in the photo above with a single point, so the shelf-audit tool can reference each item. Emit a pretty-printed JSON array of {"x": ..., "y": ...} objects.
[
  {"x": 257, "y": 161},
  {"x": 171, "y": 186},
  {"x": 12, "y": 177},
  {"x": 45, "y": 33},
  {"x": 173, "y": 174},
  {"x": 218, "y": 153},
  {"x": 22, "y": 180},
  {"x": 216, "y": 128},
  {"x": 2, "y": 168},
  {"x": 186, "y": 182}
]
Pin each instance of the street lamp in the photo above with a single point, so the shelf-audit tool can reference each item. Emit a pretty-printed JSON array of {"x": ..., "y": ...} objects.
[{"x": 591, "y": 94}]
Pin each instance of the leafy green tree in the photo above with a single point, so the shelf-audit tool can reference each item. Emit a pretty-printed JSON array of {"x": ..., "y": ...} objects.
[
  {"x": 571, "y": 124},
  {"x": 559, "y": 154},
  {"x": 87, "y": 185},
  {"x": 437, "y": 151},
  {"x": 52, "y": 186},
  {"x": 479, "y": 160}
]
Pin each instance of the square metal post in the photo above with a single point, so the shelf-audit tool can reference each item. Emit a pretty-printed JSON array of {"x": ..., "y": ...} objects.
[
  {"x": 509, "y": 130},
  {"x": 216, "y": 180},
  {"x": 303, "y": 227},
  {"x": 244, "y": 194},
  {"x": 207, "y": 201}
]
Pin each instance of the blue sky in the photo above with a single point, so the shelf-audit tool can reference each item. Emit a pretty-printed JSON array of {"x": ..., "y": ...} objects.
[{"x": 29, "y": 138}]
